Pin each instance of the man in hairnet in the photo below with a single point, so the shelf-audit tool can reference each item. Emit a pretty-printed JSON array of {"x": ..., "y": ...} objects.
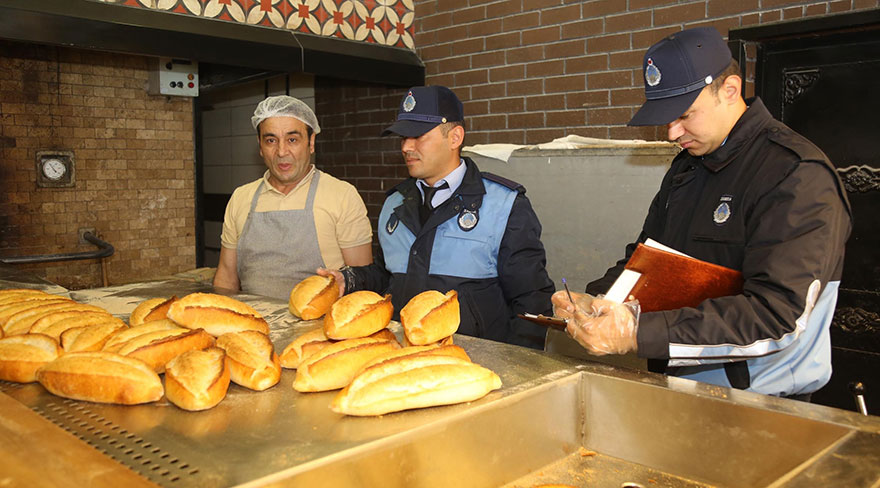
[{"x": 280, "y": 228}]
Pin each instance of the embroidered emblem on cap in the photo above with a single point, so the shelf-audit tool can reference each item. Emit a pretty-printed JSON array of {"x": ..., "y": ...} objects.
[
  {"x": 722, "y": 211},
  {"x": 468, "y": 219},
  {"x": 652, "y": 73},
  {"x": 409, "y": 103},
  {"x": 391, "y": 225}
]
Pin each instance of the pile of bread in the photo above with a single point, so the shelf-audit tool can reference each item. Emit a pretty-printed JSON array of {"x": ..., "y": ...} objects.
[
  {"x": 354, "y": 351},
  {"x": 199, "y": 342}
]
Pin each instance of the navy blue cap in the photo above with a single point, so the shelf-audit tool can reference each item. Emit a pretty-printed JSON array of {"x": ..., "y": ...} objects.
[
  {"x": 423, "y": 108},
  {"x": 676, "y": 69}
]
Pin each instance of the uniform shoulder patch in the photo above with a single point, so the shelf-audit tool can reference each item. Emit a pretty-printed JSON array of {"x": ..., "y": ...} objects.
[
  {"x": 504, "y": 182},
  {"x": 794, "y": 142}
]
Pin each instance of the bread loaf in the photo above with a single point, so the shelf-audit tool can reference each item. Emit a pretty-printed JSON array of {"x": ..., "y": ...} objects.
[
  {"x": 90, "y": 337},
  {"x": 55, "y": 324},
  {"x": 158, "y": 347},
  {"x": 446, "y": 341},
  {"x": 358, "y": 314},
  {"x": 22, "y": 355},
  {"x": 18, "y": 295},
  {"x": 10, "y": 310},
  {"x": 197, "y": 380},
  {"x": 334, "y": 366},
  {"x": 149, "y": 310},
  {"x": 217, "y": 314},
  {"x": 430, "y": 316},
  {"x": 253, "y": 362},
  {"x": 21, "y": 322},
  {"x": 302, "y": 347},
  {"x": 115, "y": 341},
  {"x": 430, "y": 350},
  {"x": 101, "y": 377},
  {"x": 312, "y": 297},
  {"x": 415, "y": 381}
]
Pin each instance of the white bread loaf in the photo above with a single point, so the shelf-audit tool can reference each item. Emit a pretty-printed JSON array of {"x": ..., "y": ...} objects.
[
  {"x": 253, "y": 362},
  {"x": 446, "y": 341},
  {"x": 334, "y": 366},
  {"x": 21, "y": 322},
  {"x": 416, "y": 381},
  {"x": 313, "y": 341},
  {"x": 90, "y": 337},
  {"x": 431, "y": 350},
  {"x": 115, "y": 341},
  {"x": 10, "y": 310},
  {"x": 149, "y": 310},
  {"x": 158, "y": 347},
  {"x": 430, "y": 316},
  {"x": 197, "y": 380},
  {"x": 358, "y": 314},
  {"x": 19, "y": 295},
  {"x": 101, "y": 377},
  {"x": 217, "y": 314},
  {"x": 55, "y": 324},
  {"x": 22, "y": 355},
  {"x": 312, "y": 297}
]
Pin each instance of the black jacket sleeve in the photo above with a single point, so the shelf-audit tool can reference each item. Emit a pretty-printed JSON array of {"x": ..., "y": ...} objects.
[
  {"x": 373, "y": 277},
  {"x": 522, "y": 272}
]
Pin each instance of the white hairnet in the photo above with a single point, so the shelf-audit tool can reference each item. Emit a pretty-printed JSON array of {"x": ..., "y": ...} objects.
[{"x": 285, "y": 106}]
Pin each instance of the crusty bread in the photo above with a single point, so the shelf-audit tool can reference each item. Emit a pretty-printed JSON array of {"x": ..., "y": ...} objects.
[
  {"x": 253, "y": 362},
  {"x": 312, "y": 297},
  {"x": 358, "y": 314},
  {"x": 417, "y": 381},
  {"x": 55, "y": 324},
  {"x": 335, "y": 365},
  {"x": 115, "y": 341},
  {"x": 446, "y": 341},
  {"x": 430, "y": 316},
  {"x": 90, "y": 337},
  {"x": 217, "y": 314},
  {"x": 21, "y": 322},
  {"x": 158, "y": 347},
  {"x": 10, "y": 310},
  {"x": 432, "y": 350},
  {"x": 22, "y": 355},
  {"x": 101, "y": 377},
  {"x": 19, "y": 295},
  {"x": 197, "y": 380},
  {"x": 303, "y": 346},
  {"x": 149, "y": 310}
]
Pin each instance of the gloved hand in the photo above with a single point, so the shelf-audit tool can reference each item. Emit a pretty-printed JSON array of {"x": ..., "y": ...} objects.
[
  {"x": 600, "y": 326},
  {"x": 337, "y": 275}
]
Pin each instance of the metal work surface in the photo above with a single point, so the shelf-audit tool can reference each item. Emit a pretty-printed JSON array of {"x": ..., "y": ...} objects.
[{"x": 556, "y": 420}]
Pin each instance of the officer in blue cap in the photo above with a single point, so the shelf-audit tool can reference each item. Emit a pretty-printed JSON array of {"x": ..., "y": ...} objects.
[
  {"x": 747, "y": 193},
  {"x": 452, "y": 227}
]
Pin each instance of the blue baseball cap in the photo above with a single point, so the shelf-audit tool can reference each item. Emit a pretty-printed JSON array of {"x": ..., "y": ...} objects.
[
  {"x": 423, "y": 108},
  {"x": 676, "y": 69}
]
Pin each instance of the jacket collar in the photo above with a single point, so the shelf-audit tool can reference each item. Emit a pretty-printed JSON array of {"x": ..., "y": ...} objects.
[{"x": 744, "y": 131}]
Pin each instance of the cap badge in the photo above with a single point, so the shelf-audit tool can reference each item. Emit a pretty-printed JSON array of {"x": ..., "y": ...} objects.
[
  {"x": 409, "y": 103},
  {"x": 652, "y": 73},
  {"x": 722, "y": 211},
  {"x": 468, "y": 219}
]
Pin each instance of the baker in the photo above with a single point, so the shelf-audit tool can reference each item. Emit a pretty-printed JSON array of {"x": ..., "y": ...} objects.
[
  {"x": 280, "y": 228},
  {"x": 451, "y": 226},
  {"x": 747, "y": 193}
]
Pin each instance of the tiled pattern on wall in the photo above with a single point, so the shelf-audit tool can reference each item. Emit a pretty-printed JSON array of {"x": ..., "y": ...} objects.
[{"x": 386, "y": 22}]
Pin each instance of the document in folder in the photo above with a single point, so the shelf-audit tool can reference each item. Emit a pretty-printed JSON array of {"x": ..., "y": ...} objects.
[{"x": 662, "y": 278}]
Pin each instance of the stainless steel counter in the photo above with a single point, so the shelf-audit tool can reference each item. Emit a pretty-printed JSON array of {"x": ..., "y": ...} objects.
[{"x": 556, "y": 420}]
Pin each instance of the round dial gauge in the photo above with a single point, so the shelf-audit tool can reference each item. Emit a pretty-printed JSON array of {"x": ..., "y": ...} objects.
[{"x": 54, "y": 169}]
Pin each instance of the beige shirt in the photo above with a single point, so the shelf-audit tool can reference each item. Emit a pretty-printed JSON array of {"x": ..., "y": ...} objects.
[{"x": 340, "y": 214}]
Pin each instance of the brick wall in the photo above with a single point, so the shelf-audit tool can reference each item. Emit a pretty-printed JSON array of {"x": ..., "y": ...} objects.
[
  {"x": 529, "y": 71},
  {"x": 134, "y": 165}
]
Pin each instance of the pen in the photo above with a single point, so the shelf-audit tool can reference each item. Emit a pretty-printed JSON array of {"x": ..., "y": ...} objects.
[{"x": 567, "y": 291}]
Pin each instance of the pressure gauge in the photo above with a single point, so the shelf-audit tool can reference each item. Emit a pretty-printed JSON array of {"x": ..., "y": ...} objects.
[{"x": 55, "y": 169}]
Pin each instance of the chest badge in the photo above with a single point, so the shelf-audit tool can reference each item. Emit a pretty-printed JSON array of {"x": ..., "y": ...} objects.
[
  {"x": 468, "y": 219},
  {"x": 391, "y": 225},
  {"x": 722, "y": 211}
]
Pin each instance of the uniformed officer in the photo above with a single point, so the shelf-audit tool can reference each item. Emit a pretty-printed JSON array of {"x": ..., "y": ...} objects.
[
  {"x": 747, "y": 193},
  {"x": 450, "y": 226}
]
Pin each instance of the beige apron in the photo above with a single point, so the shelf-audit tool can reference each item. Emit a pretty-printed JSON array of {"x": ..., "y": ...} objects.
[{"x": 278, "y": 249}]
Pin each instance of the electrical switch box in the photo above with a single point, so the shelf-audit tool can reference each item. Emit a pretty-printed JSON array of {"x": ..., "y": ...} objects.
[{"x": 174, "y": 77}]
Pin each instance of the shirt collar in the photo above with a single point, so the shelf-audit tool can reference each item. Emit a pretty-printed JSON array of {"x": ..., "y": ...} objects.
[
  {"x": 453, "y": 179},
  {"x": 267, "y": 187}
]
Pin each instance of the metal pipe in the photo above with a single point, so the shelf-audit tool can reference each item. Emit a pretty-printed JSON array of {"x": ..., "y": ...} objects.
[{"x": 105, "y": 249}]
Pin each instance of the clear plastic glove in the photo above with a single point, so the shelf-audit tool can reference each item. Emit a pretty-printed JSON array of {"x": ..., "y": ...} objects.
[
  {"x": 337, "y": 275},
  {"x": 600, "y": 326}
]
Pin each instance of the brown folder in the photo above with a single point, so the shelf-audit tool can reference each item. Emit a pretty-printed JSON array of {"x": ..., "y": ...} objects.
[{"x": 669, "y": 281}]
